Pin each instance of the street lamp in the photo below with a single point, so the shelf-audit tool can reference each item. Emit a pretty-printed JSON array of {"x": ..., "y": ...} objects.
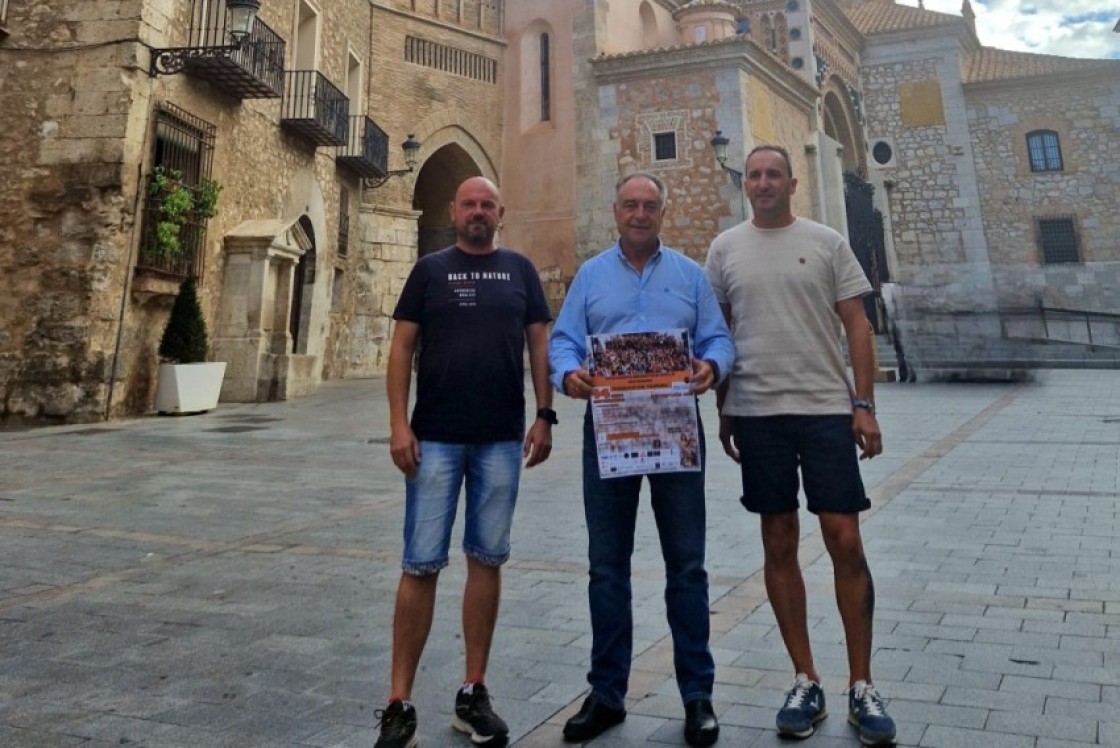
[
  {"x": 242, "y": 16},
  {"x": 411, "y": 148},
  {"x": 719, "y": 145}
]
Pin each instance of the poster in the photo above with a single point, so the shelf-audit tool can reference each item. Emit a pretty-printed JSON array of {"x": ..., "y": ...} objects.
[{"x": 644, "y": 414}]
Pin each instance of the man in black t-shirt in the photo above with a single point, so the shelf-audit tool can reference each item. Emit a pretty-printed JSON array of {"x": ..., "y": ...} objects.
[{"x": 470, "y": 309}]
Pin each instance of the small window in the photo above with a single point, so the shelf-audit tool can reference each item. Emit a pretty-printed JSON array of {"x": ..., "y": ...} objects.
[
  {"x": 546, "y": 75},
  {"x": 182, "y": 154},
  {"x": 664, "y": 146},
  {"x": 1057, "y": 238},
  {"x": 343, "y": 222},
  {"x": 1044, "y": 150}
]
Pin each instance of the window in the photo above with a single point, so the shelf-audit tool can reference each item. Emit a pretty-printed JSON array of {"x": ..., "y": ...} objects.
[
  {"x": 546, "y": 63},
  {"x": 182, "y": 152},
  {"x": 1044, "y": 150},
  {"x": 1057, "y": 238},
  {"x": 343, "y": 222},
  {"x": 664, "y": 146}
]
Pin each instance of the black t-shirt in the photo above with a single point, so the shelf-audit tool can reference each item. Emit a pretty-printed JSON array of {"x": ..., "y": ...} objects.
[{"x": 472, "y": 311}]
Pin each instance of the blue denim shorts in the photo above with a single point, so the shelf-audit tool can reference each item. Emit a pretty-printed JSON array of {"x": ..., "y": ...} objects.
[
  {"x": 772, "y": 449},
  {"x": 491, "y": 471}
]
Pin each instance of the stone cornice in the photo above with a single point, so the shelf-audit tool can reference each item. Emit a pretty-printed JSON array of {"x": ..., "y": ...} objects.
[{"x": 734, "y": 51}]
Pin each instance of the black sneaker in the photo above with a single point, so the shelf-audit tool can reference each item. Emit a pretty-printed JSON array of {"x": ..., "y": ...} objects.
[
  {"x": 473, "y": 715},
  {"x": 398, "y": 726}
]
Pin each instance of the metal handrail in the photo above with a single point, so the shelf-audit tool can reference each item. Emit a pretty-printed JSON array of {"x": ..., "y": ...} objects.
[{"x": 311, "y": 96}]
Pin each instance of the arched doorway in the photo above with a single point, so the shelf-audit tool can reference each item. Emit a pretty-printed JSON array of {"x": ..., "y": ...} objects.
[
  {"x": 302, "y": 286},
  {"x": 435, "y": 190}
]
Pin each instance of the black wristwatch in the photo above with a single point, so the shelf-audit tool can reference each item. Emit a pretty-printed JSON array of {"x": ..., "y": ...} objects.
[
  {"x": 867, "y": 405},
  {"x": 548, "y": 415}
]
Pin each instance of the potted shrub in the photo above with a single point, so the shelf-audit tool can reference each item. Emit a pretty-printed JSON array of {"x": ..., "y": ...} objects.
[{"x": 187, "y": 382}]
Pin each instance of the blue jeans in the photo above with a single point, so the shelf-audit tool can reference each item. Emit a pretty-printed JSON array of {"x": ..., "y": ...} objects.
[
  {"x": 611, "y": 509},
  {"x": 491, "y": 471}
]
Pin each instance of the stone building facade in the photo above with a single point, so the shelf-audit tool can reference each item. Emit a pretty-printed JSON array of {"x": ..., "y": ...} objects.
[
  {"x": 299, "y": 268},
  {"x": 995, "y": 174}
]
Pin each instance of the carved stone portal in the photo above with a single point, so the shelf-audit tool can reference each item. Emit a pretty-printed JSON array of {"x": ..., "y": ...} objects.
[{"x": 251, "y": 333}]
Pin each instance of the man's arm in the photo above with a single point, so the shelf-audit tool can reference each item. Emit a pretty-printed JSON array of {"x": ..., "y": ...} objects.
[
  {"x": 721, "y": 395},
  {"x": 403, "y": 445},
  {"x": 858, "y": 329},
  {"x": 567, "y": 347},
  {"x": 538, "y": 440}
]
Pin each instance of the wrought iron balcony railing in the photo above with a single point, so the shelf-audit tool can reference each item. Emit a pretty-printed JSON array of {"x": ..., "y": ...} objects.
[
  {"x": 367, "y": 153},
  {"x": 315, "y": 109},
  {"x": 253, "y": 69}
]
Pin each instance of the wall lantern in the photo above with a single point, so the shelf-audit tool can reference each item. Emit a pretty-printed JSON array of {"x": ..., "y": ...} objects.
[
  {"x": 242, "y": 15},
  {"x": 411, "y": 148}
]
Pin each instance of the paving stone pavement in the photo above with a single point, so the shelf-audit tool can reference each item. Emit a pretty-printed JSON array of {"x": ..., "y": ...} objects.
[{"x": 228, "y": 580}]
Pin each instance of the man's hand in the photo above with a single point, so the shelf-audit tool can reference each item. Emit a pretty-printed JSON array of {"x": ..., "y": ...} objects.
[
  {"x": 538, "y": 443},
  {"x": 577, "y": 384},
  {"x": 703, "y": 377},
  {"x": 726, "y": 439},
  {"x": 405, "y": 450},
  {"x": 866, "y": 430}
]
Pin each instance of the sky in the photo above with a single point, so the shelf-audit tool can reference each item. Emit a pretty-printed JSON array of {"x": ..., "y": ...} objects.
[{"x": 1070, "y": 28}]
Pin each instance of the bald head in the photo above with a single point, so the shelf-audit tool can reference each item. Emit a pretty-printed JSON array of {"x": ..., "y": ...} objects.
[{"x": 475, "y": 213}]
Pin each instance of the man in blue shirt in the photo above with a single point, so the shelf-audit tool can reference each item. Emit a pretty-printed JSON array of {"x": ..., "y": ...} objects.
[{"x": 640, "y": 285}]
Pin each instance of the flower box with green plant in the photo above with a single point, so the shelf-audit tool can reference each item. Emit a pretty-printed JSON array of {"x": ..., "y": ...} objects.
[{"x": 175, "y": 204}]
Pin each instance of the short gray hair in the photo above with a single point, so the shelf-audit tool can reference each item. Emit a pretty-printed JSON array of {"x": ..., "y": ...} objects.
[{"x": 662, "y": 190}]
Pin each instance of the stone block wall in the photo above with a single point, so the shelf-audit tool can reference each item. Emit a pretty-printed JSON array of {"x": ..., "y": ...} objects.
[
  {"x": 65, "y": 220},
  {"x": 1085, "y": 113}
]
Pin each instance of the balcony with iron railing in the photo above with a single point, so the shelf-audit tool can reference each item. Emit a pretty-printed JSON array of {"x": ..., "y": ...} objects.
[
  {"x": 250, "y": 69},
  {"x": 315, "y": 109},
  {"x": 367, "y": 153}
]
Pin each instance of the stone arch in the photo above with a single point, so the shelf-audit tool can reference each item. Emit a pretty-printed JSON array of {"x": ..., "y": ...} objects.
[
  {"x": 648, "y": 19},
  {"x": 842, "y": 125},
  {"x": 436, "y": 182},
  {"x": 455, "y": 125}
]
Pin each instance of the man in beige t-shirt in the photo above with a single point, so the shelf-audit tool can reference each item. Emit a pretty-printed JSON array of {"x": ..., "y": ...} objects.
[{"x": 787, "y": 287}]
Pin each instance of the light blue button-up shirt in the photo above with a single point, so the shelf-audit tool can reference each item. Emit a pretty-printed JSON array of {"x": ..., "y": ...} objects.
[{"x": 609, "y": 295}]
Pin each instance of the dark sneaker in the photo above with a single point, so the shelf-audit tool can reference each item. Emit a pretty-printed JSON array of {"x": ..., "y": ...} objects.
[
  {"x": 474, "y": 716},
  {"x": 398, "y": 726},
  {"x": 803, "y": 709},
  {"x": 867, "y": 712}
]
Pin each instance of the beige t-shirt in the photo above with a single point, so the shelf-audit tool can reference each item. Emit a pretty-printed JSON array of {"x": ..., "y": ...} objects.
[{"x": 783, "y": 285}]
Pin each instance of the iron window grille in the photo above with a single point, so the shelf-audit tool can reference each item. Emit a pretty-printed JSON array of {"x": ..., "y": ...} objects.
[
  {"x": 183, "y": 145},
  {"x": 343, "y": 222},
  {"x": 1044, "y": 150},
  {"x": 664, "y": 146},
  {"x": 1057, "y": 239}
]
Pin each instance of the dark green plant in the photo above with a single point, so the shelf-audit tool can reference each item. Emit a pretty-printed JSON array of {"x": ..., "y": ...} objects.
[
  {"x": 184, "y": 339},
  {"x": 206, "y": 198},
  {"x": 177, "y": 202}
]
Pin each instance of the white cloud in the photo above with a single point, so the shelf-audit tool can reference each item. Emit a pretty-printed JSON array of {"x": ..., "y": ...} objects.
[{"x": 1070, "y": 28}]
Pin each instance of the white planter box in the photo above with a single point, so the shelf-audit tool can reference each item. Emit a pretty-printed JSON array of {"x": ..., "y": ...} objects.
[{"x": 189, "y": 388}]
